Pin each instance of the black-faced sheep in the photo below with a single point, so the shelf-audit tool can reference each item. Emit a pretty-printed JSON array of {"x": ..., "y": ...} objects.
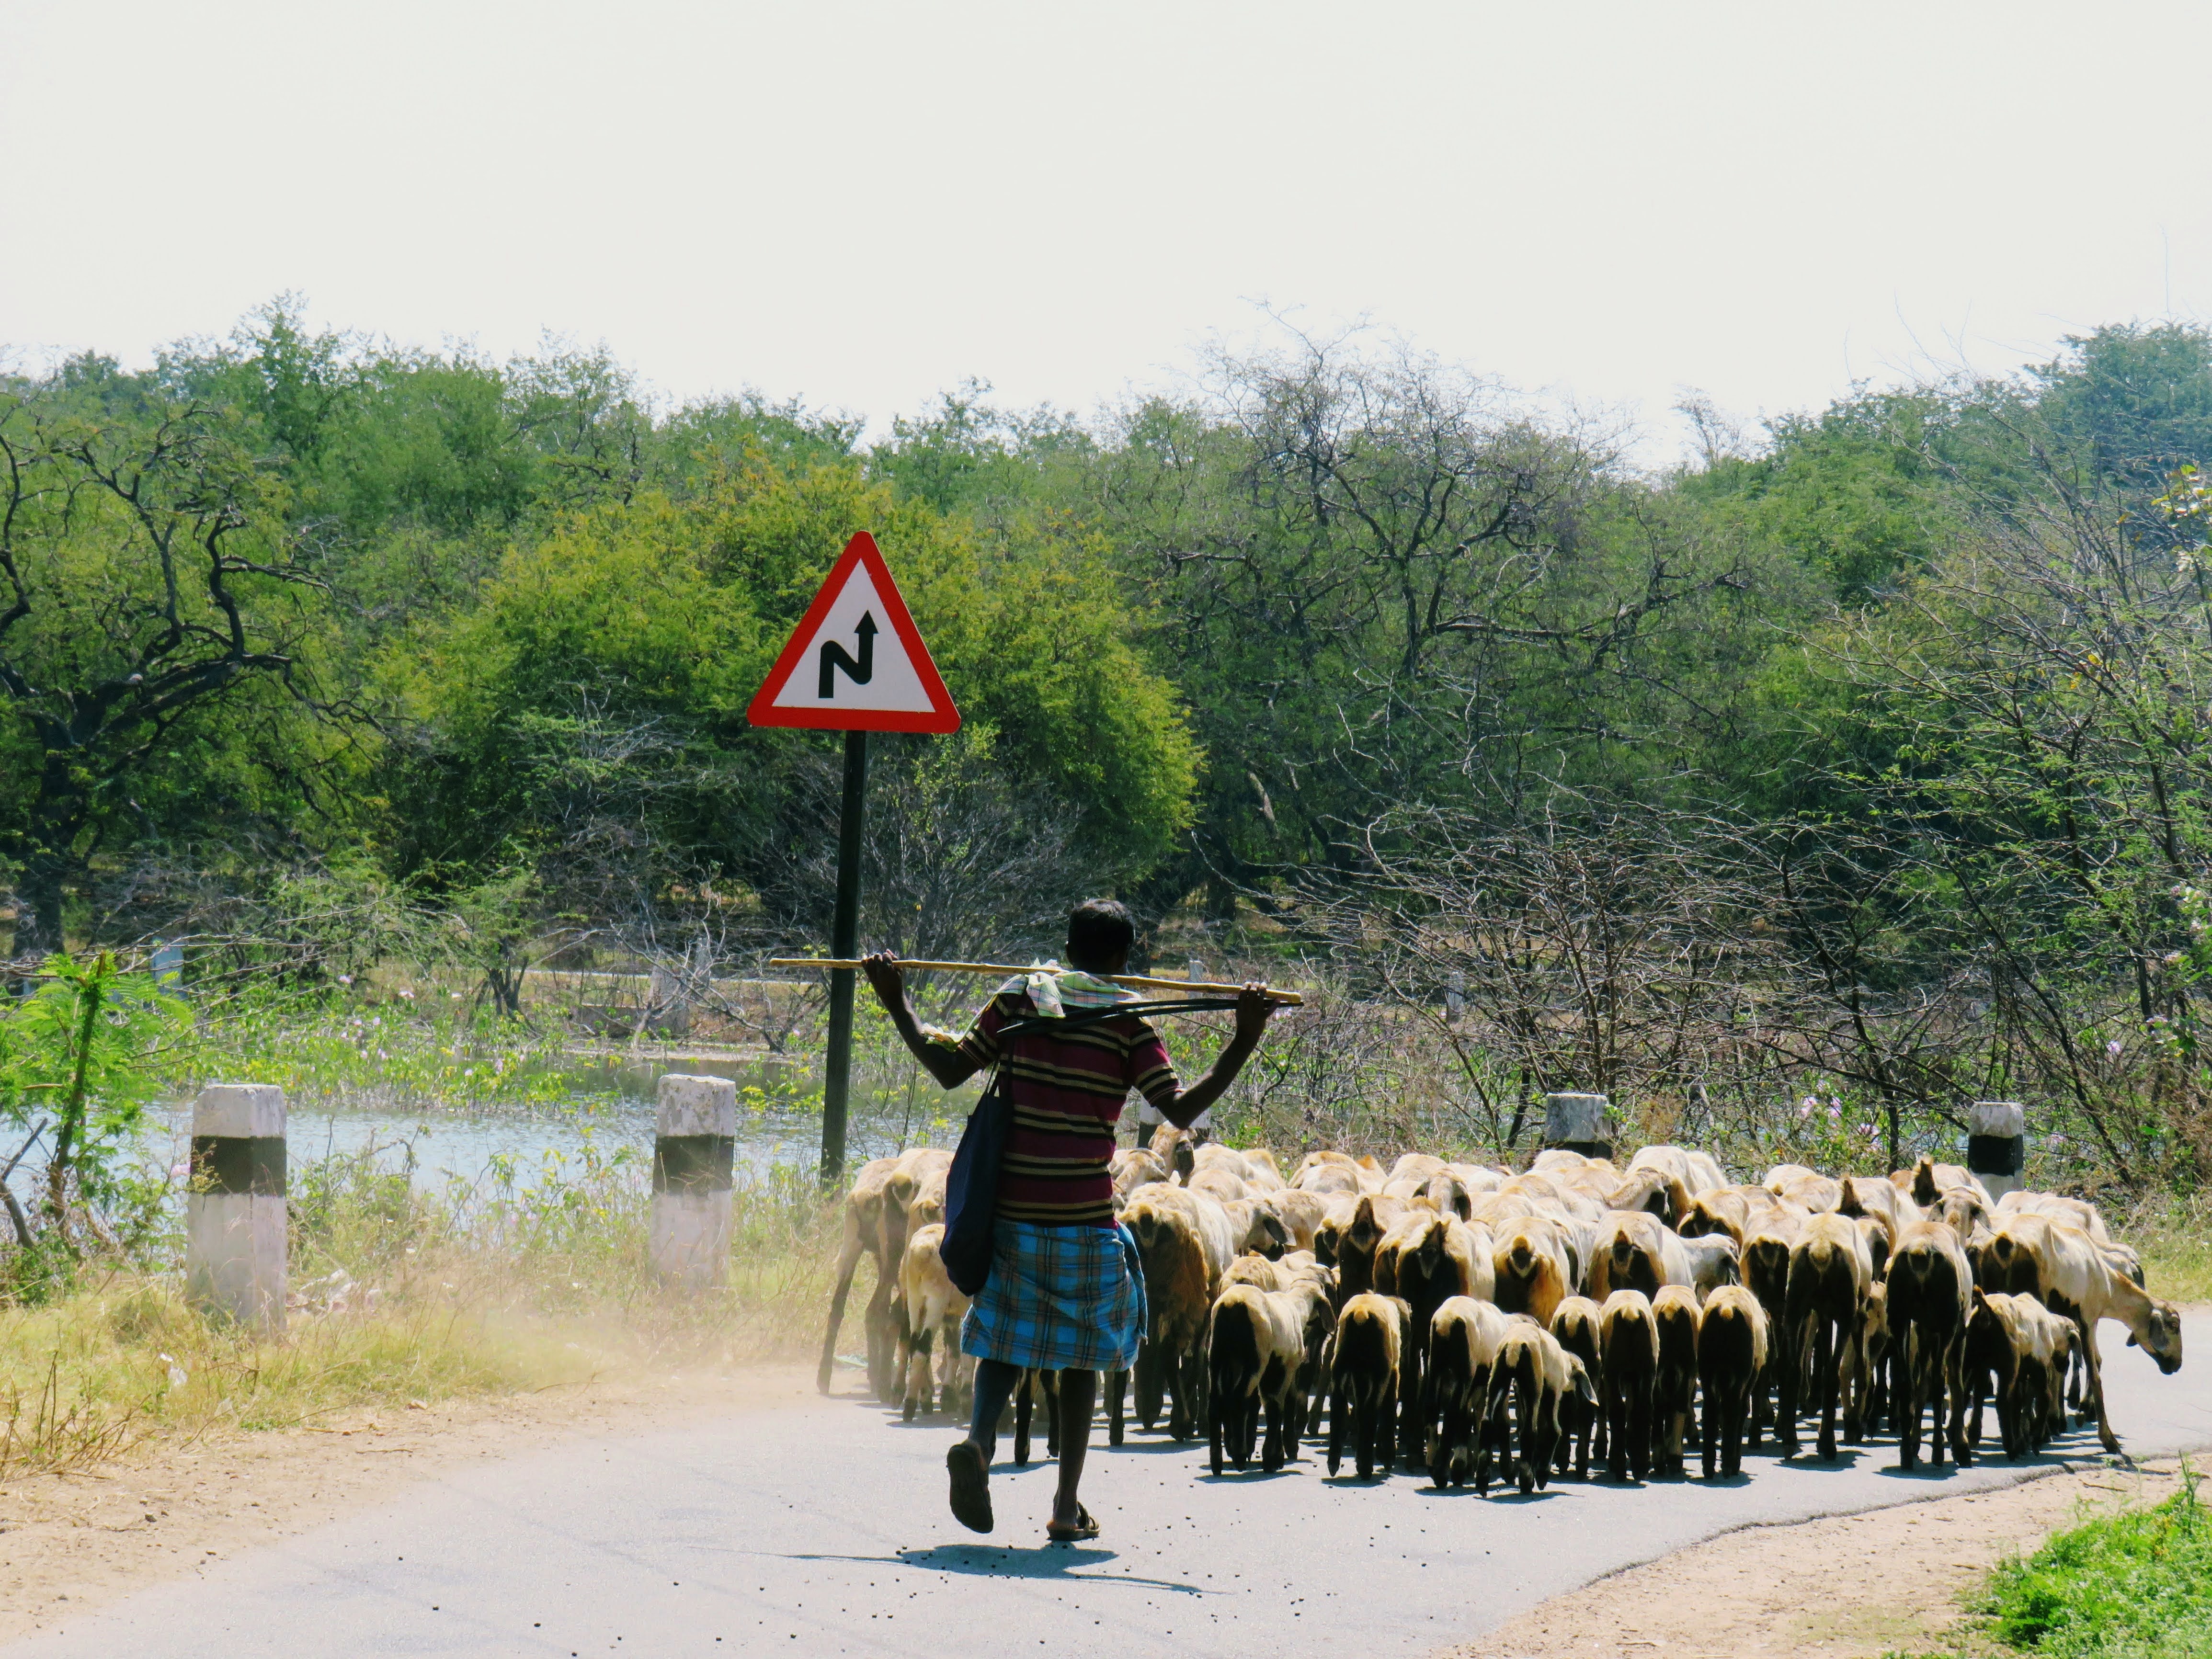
[
  {"x": 1424, "y": 1261},
  {"x": 1767, "y": 1275},
  {"x": 2021, "y": 1345},
  {"x": 875, "y": 1224}
]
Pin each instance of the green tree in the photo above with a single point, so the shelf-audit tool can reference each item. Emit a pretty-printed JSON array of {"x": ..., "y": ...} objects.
[{"x": 150, "y": 588}]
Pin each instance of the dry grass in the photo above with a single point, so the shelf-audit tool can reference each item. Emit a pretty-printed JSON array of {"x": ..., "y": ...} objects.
[{"x": 402, "y": 1297}]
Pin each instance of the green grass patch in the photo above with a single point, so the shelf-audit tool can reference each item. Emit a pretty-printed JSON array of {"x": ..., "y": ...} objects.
[
  {"x": 2117, "y": 1587},
  {"x": 2136, "y": 1584}
]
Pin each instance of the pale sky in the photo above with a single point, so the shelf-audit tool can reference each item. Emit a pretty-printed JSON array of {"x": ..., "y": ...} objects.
[{"x": 862, "y": 203}]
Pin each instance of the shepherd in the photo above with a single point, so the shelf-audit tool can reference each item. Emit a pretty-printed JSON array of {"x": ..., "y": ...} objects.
[{"x": 1066, "y": 1292}]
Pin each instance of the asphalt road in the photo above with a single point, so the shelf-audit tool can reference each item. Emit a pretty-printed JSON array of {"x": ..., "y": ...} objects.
[{"x": 822, "y": 1529}]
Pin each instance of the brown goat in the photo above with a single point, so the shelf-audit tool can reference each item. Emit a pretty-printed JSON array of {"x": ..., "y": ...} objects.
[
  {"x": 1629, "y": 1335},
  {"x": 1364, "y": 1356},
  {"x": 1829, "y": 1273},
  {"x": 1575, "y": 1324},
  {"x": 1185, "y": 1241},
  {"x": 1931, "y": 1289},
  {"x": 1424, "y": 1260},
  {"x": 2021, "y": 1346},
  {"x": 874, "y": 1220},
  {"x": 1535, "y": 1376},
  {"x": 1675, "y": 1385},
  {"x": 1731, "y": 1358},
  {"x": 1256, "y": 1346},
  {"x": 1464, "y": 1336},
  {"x": 1532, "y": 1267}
]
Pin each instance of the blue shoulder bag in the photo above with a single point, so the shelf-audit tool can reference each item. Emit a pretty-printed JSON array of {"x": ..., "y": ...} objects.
[{"x": 971, "y": 1191}]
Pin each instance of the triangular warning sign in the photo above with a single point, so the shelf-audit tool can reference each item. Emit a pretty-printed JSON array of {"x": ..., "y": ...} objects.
[{"x": 856, "y": 662}]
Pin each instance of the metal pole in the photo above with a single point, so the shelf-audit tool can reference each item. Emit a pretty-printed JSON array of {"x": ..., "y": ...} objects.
[{"x": 844, "y": 941}]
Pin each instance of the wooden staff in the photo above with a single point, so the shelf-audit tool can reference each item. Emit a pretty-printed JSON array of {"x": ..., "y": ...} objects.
[{"x": 1135, "y": 981}]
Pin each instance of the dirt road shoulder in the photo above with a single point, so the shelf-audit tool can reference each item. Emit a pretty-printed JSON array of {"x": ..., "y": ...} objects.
[
  {"x": 71, "y": 1542},
  {"x": 1846, "y": 1587}
]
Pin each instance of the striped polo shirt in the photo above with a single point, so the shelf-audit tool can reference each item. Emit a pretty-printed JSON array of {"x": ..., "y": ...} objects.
[{"x": 1066, "y": 1090}]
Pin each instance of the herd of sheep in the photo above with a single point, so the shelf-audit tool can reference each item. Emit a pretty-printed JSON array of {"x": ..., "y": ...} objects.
[{"x": 1482, "y": 1324}]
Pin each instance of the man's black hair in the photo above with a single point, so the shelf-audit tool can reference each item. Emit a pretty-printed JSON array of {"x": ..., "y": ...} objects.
[{"x": 1099, "y": 929}]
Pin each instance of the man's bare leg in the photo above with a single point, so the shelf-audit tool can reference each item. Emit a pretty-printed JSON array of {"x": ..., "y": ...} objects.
[
  {"x": 1078, "y": 1396},
  {"x": 969, "y": 1462}
]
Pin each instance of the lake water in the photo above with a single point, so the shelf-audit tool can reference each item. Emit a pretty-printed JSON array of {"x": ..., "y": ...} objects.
[{"x": 611, "y": 1106}]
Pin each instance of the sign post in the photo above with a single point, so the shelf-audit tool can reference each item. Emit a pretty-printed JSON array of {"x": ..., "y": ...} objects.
[{"x": 855, "y": 663}]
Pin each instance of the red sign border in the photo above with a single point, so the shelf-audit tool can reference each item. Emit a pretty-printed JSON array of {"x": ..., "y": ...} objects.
[{"x": 943, "y": 717}]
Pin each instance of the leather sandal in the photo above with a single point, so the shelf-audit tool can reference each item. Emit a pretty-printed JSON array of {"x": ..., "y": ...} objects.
[
  {"x": 971, "y": 1487},
  {"x": 1086, "y": 1526}
]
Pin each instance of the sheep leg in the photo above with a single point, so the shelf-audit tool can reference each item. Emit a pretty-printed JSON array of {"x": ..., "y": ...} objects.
[
  {"x": 1336, "y": 1428},
  {"x": 2093, "y": 1388},
  {"x": 1022, "y": 1402},
  {"x": 1954, "y": 1379},
  {"x": 849, "y": 1262},
  {"x": 1443, "y": 1443},
  {"x": 1148, "y": 1385},
  {"x": 1412, "y": 1415},
  {"x": 1552, "y": 1437},
  {"x": 1732, "y": 1413},
  {"x": 1616, "y": 1417},
  {"x": 1853, "y": 1386},
  {"x": 1910, "y": 1383},
  {"x": 1049, "y": 1382},
  {"x": 882, "y": 1321},
  {"x": 1829, "y": 1365},
  {"x": 1639, "y": 1428},
  {"x": 1790, "y": 1376},
  {"x": 1117, "y": 1394},
  {"x": 1187, "y": 1395}
]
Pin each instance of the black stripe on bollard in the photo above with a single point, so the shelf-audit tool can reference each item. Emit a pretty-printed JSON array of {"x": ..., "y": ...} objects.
[
  {"x": 240, "y": 1164},
  {"x": 692, "y": 1163},
  {"x": 1998, "y": 1155}
]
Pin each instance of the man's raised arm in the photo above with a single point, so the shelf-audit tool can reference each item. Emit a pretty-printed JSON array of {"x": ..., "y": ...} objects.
[
  {"x": 948, "y": 1064},
  {"x": 1253, "y": 1009}
]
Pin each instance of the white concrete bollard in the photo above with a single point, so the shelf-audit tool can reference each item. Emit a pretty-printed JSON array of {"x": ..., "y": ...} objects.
[
  {"x": 235, "y": 1218},
  {"x": 1996, "y": 1144},
  {"x": 1578, "y": 1123},
  {"x": 694, "y": 1146}
]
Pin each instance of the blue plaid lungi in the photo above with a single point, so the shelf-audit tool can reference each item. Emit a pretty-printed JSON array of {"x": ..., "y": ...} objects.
[{"x": 1059, "y": 1298}]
